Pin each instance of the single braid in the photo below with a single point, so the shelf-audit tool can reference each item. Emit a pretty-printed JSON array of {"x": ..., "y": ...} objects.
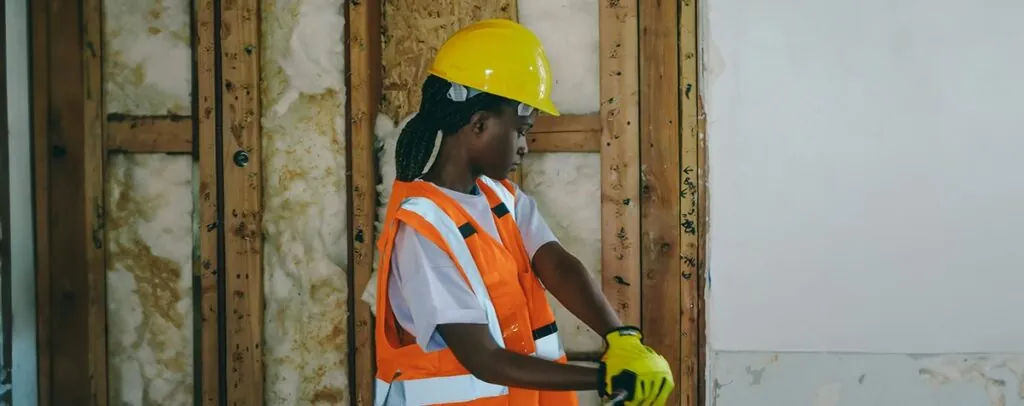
[{"x": 437, "y": 113}]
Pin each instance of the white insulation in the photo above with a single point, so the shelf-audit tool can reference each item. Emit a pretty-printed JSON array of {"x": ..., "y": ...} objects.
[
  {"x": 149, "y": 279},
  {"x": 559, "y": 181},
  {"x": 147, "y": 55},
  {"x": 147, "y": 71},
  {"x": 305, "y": 250}
]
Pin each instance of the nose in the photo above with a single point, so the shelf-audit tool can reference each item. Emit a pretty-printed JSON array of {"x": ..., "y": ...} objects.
[{"x": 521, "y": 148}]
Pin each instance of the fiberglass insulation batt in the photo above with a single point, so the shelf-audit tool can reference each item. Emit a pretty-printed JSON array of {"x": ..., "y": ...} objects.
[
  {"x": 305, "y": 215},
  {"x": 147, "y": 71}
]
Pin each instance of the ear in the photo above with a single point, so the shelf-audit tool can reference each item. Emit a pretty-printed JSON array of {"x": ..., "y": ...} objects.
[{"x": 478, "y": 122}]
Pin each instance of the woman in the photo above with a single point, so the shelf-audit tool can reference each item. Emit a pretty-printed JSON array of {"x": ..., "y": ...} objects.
[{"x": 466, "y": 256}]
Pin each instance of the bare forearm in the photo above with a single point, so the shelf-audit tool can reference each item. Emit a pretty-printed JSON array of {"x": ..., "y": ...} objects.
[
  {"x": 523, "y": 371},
  {"x": 568, "y": 280},
  {"x": 473, "y": 346}
]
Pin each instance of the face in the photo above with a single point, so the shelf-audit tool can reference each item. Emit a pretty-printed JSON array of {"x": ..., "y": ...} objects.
[{"x": 499, "y": 142}]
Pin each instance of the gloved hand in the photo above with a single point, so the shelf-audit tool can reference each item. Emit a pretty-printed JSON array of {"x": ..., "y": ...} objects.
[{"x": 630, "y": 366}]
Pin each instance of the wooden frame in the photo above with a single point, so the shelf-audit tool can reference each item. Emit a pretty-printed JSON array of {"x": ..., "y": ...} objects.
[
  {"x": 69, "y": 162},
  {"x": 649, "y": 155}
]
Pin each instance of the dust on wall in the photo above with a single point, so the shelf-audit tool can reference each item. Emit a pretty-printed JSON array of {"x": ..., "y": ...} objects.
[
  {"x": 831, "y": 379},
  {"x": 147, "y": 71},
  {"x": 558, "y": 181},
  {"x": 304, "y": 198}
]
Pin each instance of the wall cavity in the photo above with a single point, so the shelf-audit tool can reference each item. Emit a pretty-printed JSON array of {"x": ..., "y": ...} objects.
[
  {"x": 149, "y": 278},
  {"x": 304, "y": 197},
  {"x": 147, "y": 57},
  {"x": 147, "y": 71}
]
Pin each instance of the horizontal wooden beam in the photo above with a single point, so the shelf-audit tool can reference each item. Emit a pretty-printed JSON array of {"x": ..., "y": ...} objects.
[
  {"x": 173, "y": 134},
  {"x": 150, "y": 134},
  {"x": 572, "y": 133}
]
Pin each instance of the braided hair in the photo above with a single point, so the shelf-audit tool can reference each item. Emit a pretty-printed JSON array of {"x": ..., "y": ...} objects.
[{"x": 438, "y": 116}]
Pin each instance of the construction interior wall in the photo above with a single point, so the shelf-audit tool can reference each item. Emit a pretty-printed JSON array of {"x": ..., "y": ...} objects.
[
  {"x": 305, "y": 351},
  {"x": 865, "y": 202},
  {"x": 566, "y": 185},
  {"x": 149, "y": 223},
  {"x": 21, "y": 383}
]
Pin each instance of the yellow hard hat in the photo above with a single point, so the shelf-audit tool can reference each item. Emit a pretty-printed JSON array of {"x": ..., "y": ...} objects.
[{"x": 500, "y": 57}]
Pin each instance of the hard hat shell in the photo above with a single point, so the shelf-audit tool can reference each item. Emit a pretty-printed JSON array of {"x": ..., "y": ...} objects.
[{"x": 500, "y": 57}]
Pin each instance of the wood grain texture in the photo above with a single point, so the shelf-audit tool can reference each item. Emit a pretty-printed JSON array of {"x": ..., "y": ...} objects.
[
  {"x": 693, "y": 209},
  {"x": 208, "y": 266},
  {"x": 364, "y": 89},
  {"x": 571, "y": 133},
  {"x": 589, "y": 141},
  {"x": 155, "y": 134},
  {"x": 620, "y": 158},
  {"x": 40, "y": 63},
  {"x": 242, "y": 199},
  {"x": 659, "y": 190},
  {"x": 69, "y": 179}
]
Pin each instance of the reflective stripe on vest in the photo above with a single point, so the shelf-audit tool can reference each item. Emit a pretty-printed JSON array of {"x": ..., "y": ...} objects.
[
  {"x": 507, "y": 198},
  {"x": 452, "y": 236},
  {"x": 548, "y": 345},
  {"x": 432, "y": 391}
]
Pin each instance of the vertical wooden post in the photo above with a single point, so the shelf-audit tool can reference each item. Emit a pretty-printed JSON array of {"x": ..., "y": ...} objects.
[
  {"x": 40, "y": 63},
  {"x": 659, "y": 187},
  {"x": 620, "y": 156},
  {"x": 69, "y": 187},
  {"x": 364, "y": 89},
  {"x": 693, "y": 204},
  {"x": 241, "y": 154},
  {"x": 207, "y": 267}
]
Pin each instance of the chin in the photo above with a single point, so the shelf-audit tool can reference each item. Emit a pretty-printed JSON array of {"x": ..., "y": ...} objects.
[{"x": 499, "y": 174}]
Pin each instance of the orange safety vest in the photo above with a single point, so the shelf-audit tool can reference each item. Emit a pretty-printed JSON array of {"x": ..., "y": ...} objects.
[{"x": 500, "y": 275}]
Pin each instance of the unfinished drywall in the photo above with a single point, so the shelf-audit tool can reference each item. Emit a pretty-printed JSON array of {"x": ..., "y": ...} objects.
[
  {"x": 306, "y": 250},
  {"x": 24, "y": 366},
  {"x": 147, "y": 71},
  {"x": 864, "y": 183},
  {"x": 831, "y": 379}
]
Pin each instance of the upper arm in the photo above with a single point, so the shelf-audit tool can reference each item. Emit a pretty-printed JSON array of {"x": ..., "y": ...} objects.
[
  {"x": 532, "y": 226},
  {"x": 431, "y": 289}
]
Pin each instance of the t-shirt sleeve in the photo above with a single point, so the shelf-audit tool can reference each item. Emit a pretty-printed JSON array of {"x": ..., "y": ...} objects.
[
  {"x": 534, "y": 229},
  {"x": 432, "y": 289}
]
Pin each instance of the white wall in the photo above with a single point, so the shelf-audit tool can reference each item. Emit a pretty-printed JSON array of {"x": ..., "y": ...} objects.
[
  {"x": 866, "y": 165},
  {"x": 23, "y": 298},
  {"x": 866, "y": 161}
]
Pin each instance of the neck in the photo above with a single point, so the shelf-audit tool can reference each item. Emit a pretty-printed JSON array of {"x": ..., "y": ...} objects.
[{"x": 452, "y": 171}]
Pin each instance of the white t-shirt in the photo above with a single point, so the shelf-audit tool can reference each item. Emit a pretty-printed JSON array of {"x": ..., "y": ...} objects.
[{"x": 423, "y": 274}]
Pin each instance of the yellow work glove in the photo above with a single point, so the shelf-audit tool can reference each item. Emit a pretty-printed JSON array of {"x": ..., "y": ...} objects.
[{"x": 634, "y": 370}]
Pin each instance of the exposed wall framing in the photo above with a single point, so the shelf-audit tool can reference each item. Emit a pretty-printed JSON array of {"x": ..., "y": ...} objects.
[
  {"x": 69, "y": 165},
  {"x": 364, "y": 47},
  {"x": 649, "y": 133},
  {"x": 206, "y": 272},
  {"x": 620, "y": 158},
  {"x": 241, "y": 182},
  {"x": 660, "y": 187}
]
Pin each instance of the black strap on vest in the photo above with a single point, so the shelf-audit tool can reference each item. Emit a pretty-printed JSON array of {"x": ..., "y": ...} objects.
[
  {"x": 545, "y": 331},
  {"x": 467, "y": 230},
  {"x": 500, "y": 210}
]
